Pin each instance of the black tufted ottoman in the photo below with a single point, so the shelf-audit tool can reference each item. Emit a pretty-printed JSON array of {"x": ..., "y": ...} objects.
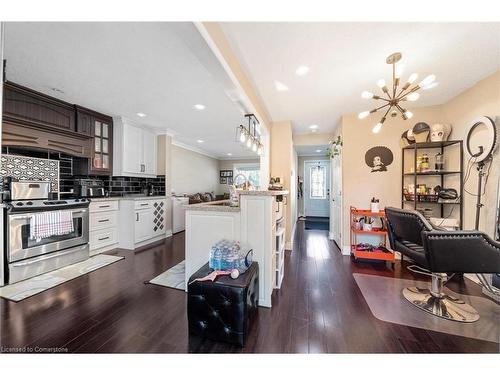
[{"x": 222, "y": 310}]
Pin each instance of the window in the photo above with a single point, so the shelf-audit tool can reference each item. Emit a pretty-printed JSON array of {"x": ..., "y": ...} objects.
[
  {"x": 318, "y": 182},
  {"x": 250, "y": 171}
]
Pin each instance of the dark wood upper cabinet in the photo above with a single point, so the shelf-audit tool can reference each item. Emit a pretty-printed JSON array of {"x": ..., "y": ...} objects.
[
  {"x": 100, "y": 128},
  {"x": 25, "y": 106},
  {"x": 83, "y": 121},
  {"x": 35, "y": 120}
]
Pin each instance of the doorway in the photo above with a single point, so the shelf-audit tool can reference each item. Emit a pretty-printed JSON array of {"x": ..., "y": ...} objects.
[{"x": 317, "y": 188}]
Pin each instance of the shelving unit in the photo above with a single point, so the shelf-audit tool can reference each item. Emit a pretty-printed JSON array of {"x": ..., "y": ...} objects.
[
  {"x": 426, "y": 199},
  {"x": 280, "y": 257},
  {"x": 363, "y": 254}
]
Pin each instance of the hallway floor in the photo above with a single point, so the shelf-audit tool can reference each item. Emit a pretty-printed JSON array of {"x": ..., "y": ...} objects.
[{"x": 319, "y": 309}]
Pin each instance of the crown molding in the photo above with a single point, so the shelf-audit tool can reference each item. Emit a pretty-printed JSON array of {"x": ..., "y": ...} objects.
[{"x": 194, "y": 149}]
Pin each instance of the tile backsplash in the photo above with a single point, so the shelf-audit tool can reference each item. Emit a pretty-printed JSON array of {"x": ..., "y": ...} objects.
[
  {"x": 31, "y": 168},
  {"x": 58, "y": 168}
]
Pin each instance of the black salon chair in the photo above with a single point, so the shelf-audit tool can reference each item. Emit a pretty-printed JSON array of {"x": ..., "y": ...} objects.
[{"x": 441, "y": 252}]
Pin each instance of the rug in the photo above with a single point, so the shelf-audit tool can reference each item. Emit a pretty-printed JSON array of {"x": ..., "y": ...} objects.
[
  {"x": 173, "y": 277},
  {"x": 385, "y": 299},
  {"x": 27, "y": 288},
  {"x": 314, "y": 222}
]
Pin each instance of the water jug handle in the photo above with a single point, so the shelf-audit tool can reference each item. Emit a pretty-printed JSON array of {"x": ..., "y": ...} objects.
[{"x": 247, "y": 263}]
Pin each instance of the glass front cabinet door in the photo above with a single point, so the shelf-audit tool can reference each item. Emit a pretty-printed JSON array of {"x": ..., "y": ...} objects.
[{"x": 102, "y": 153}]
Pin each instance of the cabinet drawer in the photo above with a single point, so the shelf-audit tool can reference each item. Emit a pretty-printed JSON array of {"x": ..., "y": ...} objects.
[
  {"x": 101, "y": 206},
  {"x": 141, "y": 205},
  {"x": 102, "y": 238},
  {"x": 101, "y": 220}
]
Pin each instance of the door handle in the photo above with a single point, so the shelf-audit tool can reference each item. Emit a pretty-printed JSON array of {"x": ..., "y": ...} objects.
[{"x": 136, "y": 216}]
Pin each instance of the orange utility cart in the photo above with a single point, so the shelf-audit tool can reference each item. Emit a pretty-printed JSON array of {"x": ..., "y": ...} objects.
[{"x": 357, "y": 250}]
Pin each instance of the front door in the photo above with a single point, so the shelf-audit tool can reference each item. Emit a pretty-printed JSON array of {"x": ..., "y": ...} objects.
[{"x": 317, "y": 188}]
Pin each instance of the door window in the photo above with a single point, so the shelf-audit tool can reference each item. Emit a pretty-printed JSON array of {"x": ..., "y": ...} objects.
[{"x": 318, "y": 182}]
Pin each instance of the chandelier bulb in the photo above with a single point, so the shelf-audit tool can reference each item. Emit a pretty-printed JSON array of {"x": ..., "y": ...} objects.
[
  {"x": 413, "y": 77},
  {"x": 249, "y": 142},
  {"x": 408, "y": 114},
  {"x": 377, "y": 128},
  {"x": 363, "y": 115},
  {"x": 243, "y": 137},
  {"x": 413, "y": 96},
  {"x": 259, "y": 150},
  {"x": 430, "y": 86},
  {"x": 254, "y": 147},
  {"x": 381, "y": 83},
  {"x": 427, "y": 80},
  {"x": 367, "y": 95}
]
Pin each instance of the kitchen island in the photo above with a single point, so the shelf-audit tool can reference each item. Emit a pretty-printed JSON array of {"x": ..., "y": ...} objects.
[{"x": 253, "y": 223}]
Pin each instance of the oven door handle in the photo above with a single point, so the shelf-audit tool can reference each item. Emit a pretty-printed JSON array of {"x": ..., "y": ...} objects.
[
  {"x": 57, "y": 254},
  {"x": 28, "y": 217}
]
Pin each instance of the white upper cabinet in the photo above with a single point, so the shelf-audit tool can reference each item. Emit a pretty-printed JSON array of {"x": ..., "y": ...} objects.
[{"x": 134, "y": 149}]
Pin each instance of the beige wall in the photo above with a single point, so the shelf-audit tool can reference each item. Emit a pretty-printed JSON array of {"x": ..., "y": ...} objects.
[
  {"x": 312, "y": 139},
  {"x": 229, "y": 165},
  {"x": 359, "y": 184},
  {"x": 483, "y": 99},
  {"x": 281, "y": 166},
  {"x": 300, "y": 173},
  {"x": 193, "y": 172}
]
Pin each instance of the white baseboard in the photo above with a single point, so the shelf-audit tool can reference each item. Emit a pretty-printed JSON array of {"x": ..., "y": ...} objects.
[
  {"x": 330, "y": 235},
  {"x": 346, "y": 250},
  {"x": 168, "y": 234},
  {"x": 288, "y": 245}
]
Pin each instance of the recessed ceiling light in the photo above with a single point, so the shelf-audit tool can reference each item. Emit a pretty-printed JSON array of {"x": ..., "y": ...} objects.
[
  {"x": 280, "y": 86},
  {"x": 229, "y": 154},
  {"x": 140, "y": 114},
  {"x": 199, "y": 107},
  {"x": 302, "y": 70},
  {"x": 318, "y": 150},
  {"x": 200, "y": 141},
  {"x": 313, "y": 126}
]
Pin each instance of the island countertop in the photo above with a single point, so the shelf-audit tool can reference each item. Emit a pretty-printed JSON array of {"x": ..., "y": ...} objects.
[
  {"x": 221, "y": 206},
  {"x": 263, "y": 192}
]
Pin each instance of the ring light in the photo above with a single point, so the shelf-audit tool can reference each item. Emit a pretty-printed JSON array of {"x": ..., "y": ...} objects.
[{"x": 485, "y": 142}]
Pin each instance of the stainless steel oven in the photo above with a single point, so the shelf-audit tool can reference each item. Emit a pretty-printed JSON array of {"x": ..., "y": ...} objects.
[{"x": 26, "y": 256}]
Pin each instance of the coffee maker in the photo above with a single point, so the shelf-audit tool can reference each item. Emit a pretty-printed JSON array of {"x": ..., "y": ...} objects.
[{"x": 87, "y": 188}]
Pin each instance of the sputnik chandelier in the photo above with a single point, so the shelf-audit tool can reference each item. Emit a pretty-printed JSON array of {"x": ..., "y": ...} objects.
[
  {"x": 395, "y": 96},
  {"x": 251, "y": 136}
]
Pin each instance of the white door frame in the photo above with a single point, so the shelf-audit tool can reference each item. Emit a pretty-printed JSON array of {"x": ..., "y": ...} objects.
[
  {"x": 336, "y": 216},
  {"x": 329, "y": 182}
]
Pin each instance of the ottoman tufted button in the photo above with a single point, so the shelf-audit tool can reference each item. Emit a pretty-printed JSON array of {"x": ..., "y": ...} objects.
[
  {"x": 215, "y": 313},
  {"x": 201, "y": 297},
  {"x": 203, "y": 324},
  {"x": 227, "y": 330}
]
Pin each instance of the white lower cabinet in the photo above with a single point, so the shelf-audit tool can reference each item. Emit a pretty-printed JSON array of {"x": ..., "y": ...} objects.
[
  {"x": 142, "y": 221},
  {"x": 103, "y": 227}
]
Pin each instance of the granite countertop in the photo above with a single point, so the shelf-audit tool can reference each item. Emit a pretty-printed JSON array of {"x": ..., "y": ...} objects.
[
  {"x": 263, "y": 192},
  {"x": 219, "y": 206},
  {"x": 134, "y": 197}
]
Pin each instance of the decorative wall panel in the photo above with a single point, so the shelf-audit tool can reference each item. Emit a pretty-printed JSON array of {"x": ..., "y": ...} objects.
[{"x": 33, "y": 169}]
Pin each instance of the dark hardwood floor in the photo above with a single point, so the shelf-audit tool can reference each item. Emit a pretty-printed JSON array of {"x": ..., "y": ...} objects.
[{"x": 319, "y": 309}]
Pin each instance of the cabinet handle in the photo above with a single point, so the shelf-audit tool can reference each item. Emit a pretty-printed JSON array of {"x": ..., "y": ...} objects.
[
  {"x": 144, "y": 204},
  {"x": 104, "y": 238},
  {"x": 136, "y": 216},
  {"x": 106, "y": 206},
  {"x": 103, "y": 221}
]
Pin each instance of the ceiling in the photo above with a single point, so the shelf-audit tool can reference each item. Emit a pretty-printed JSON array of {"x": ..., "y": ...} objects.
[
  {"x": 159, "y": 69},
  {"x": 311, "y": 150},
  {"x": 346, "y": 58}
]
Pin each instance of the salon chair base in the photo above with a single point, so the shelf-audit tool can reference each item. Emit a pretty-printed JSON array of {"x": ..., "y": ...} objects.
[{"x": 441, "y": 305}]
